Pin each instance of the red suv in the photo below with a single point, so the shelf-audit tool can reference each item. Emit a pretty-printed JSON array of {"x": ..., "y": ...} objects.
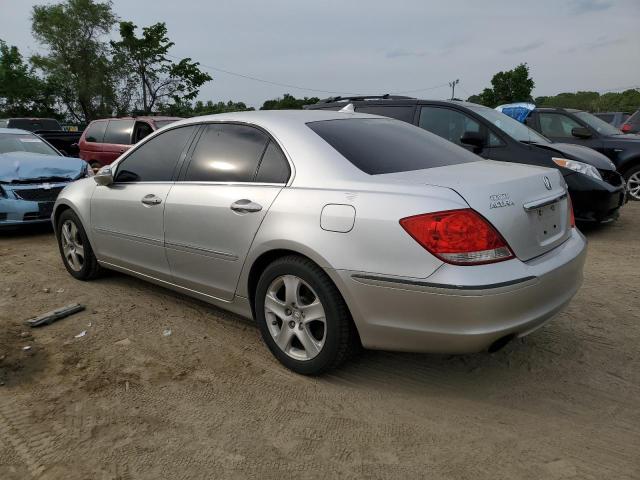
[{"x": 105, "y": 140}]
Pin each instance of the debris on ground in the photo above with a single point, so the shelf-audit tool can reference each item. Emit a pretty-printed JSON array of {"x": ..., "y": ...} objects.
[
  {"x": 81, "y": 334},
  {"x": 28, "y": 347},
  {"x": 166, "y": 332},
  {"x": 50, "y": 317}
]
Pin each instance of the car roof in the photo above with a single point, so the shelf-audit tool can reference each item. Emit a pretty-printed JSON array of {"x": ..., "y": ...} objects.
[
  {"x": 150, "y": 118},
  {"x": 15, "y": 131},
  {"x": 398, "y": 101},
  {"x": 557, "y": 109}
]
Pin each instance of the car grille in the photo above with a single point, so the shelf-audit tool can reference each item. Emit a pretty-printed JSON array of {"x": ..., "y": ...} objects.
[
  {"x": 38, "y": 194},
  {"x": 612, "y": 177}
]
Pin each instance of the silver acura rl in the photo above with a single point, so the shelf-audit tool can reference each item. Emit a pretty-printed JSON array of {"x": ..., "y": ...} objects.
[{"x": 332, "y": 229}]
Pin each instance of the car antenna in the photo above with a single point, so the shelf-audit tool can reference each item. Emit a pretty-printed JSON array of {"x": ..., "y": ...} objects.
[{"x": 348, "y": 108}]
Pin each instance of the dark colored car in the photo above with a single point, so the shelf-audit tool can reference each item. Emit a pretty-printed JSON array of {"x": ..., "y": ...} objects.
[
  {"x": 105, "y": 140},
  {"x": 583, "y": 128},
  {"x": 596, "y": 189},
  {"x": 49, "y": 129},
  {"x": 616, "y": 119},
  {"x": 32, "y": 174}
]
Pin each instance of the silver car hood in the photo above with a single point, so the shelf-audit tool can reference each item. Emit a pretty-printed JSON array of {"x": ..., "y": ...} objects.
[{"x": 499, "y": 191}]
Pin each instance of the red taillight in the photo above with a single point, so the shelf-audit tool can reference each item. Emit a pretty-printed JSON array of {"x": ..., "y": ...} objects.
[
  {"x": 572, "y": 216},
  {"x": 461, "y": 237},
  {"x": 626, "y": 128}
]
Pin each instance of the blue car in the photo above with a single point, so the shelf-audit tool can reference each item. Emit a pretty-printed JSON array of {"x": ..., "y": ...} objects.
[{"x": 32, "y": 174}]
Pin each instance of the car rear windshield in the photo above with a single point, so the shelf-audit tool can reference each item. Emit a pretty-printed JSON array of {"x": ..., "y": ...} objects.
[
  {"x": 10, "y": 143},
  {"x": 378, "y": 146}
]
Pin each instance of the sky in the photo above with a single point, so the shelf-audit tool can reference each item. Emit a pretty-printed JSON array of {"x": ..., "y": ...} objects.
[{"x": 415, "y": 47}]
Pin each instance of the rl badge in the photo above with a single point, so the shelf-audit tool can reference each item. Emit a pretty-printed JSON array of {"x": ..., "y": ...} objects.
[{"x": 500, "y": 200}]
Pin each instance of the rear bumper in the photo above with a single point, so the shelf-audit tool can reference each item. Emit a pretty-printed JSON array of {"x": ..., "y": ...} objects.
[
  {"x": 463, "y": 309},
  {"x": 594, "y": 200}
]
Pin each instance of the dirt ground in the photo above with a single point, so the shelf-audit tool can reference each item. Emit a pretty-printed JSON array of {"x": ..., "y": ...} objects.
[{"x": 209, "y": 401}]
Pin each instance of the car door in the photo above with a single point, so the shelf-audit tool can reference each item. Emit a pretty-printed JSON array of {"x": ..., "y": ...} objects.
[
  {"x": 117, "y": 139},
  {"x": 557, "y": 127},
  {"x": 213, "y": 212},
  {"x": 127, "y": 217},
  {"x": 449, "y": 123}
]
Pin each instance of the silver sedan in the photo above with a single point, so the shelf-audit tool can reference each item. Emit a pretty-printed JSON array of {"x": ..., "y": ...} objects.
[{"x": 332, "y": 230}]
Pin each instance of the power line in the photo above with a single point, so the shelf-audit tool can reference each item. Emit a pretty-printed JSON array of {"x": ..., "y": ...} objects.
[{"x": 287, "y": 85}]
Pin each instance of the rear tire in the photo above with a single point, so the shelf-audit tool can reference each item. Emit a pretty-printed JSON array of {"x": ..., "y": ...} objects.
[
  {"x": 302, "y": 316},
  {"x": 75, "y": 249},
  {"x": 632, "y": 180}
]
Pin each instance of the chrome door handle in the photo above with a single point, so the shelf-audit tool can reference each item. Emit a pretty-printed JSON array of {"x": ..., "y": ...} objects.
[
  {"x": 245, "y": 206},
  {"x": 151, "y": 199}
]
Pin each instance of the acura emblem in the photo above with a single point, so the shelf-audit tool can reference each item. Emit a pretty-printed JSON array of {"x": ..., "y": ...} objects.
[{"x": 547, "y": 183}]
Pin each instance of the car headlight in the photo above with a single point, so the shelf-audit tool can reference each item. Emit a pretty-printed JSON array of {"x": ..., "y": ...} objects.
[{"x": 579, "y": 167}]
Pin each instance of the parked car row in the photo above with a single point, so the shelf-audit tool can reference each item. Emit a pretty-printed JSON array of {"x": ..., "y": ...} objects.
[
  {"x": 390, "y": 222},
  {"x": 583, "y": 128},
  {"x": 596, "y": 188}
]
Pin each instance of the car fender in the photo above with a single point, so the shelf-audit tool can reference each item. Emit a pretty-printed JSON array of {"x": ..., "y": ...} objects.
[{"x": 77, "y": 196}]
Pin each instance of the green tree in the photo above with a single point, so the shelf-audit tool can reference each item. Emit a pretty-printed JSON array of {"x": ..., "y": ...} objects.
[
  {"x": 507, "y": 87},
  {"x": 159, "y": 80},
  {"x": 288, "y": 102},
  {"x": 22, "y": 93},
  {"x": 186, "y": 109},
  {"x": 77, "y": 65}
]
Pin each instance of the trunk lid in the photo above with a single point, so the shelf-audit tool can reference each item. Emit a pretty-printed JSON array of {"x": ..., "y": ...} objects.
[{"x": 528, "y": 205}]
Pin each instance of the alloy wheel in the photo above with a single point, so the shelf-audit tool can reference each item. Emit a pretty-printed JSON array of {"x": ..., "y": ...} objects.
[
  {"x": 72, "y": 246},
  {"x": 295, "y": 317},
  {"x": 633, "y": 185}
]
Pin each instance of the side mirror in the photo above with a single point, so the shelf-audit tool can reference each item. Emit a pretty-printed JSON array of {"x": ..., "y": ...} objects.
[
  {"x": 475, "y": 139},
  {"x": 581, "y": 132},
  {"x": 104, "y": 176}
]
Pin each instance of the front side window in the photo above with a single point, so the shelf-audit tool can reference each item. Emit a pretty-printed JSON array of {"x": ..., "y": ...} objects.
[
  {"x": 557, "y": 125},
  {"x": 447, "y": 123},
  {"x": 597, "y": 124},
  {"x": 11, "y": 143},
  {"x": 95, "y": 132},
  {"x": 378, "y": 145},
  {"x": 156, "y": 160},
  {"x": 119, "y": 132},
  {"x": 227, "y": 153}
]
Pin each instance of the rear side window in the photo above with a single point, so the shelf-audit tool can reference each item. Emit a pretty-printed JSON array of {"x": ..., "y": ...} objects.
[
  {"x": 119, "y": 132},
  {"x": 274, "y": 167},
  {"x": 634, "y": 119},
  {"x": 227, "y": 153},
  {"x": 156, "y": 160},
  {"x": 557, "y": 125},
  {"x": 95, "y": 132},
  {"x": 607, "y": 117},
  {"x": 404, "y": 113},
  {"x": 378, "y": 146}
]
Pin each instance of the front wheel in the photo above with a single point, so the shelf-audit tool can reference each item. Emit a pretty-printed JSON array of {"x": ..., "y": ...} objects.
[
  {"x": 302, "y": 316},
  {"x": 632, "y": 178}
]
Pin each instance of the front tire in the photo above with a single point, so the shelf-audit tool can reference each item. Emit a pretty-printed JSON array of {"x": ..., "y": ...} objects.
[
  {"x": 75, "y": 249},
  {"x": 632, "y": 179},
  {"x": 302, "y": 316}
]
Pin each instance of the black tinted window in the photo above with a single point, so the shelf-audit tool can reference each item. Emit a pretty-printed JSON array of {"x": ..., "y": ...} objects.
[
  {"x": 227, "y": 153},
  {"x": 447, "y": 123},
  {"x": 404, "y": 113},
  {"x": 119, "y": 132},
  {"x": 385, "y": 146},
  {"x": 607, "y": 117},
  {"x": 274, "y": 167},
  {"x": 95, "y": 132},
  {"x": 35, "y": 124},
  {"x": 155, "y": 160}
]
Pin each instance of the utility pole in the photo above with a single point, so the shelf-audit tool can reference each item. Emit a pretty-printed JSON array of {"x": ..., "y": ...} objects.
[{"x": 453, "y": 87}]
